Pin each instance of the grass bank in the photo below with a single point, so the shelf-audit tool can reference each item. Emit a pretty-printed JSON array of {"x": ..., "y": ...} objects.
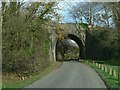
[
  {"x": 110, "y": 81},
  {"x": 15, "y": 82}
]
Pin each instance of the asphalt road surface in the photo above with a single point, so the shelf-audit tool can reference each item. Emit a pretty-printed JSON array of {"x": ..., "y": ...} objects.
[{"x": 70, "y": 75}]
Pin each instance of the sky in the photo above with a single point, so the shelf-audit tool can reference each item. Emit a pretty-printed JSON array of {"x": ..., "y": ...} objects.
[
  {"x": 73, "y": 43},
  {"x": 72, "y": 0},
  {"x": 64, "y": 8},
  {"x": 65, "y": 11}
]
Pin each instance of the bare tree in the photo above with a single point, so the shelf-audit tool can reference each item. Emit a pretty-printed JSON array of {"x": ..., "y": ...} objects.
[{"x": 96, "y": 13}]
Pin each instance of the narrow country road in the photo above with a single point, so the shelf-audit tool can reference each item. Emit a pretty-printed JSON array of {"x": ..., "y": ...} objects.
[{"x": 70, "y": 75}]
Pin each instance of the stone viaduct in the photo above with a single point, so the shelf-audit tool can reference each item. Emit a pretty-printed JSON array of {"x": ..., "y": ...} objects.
[{"x": 89, "y": 47}]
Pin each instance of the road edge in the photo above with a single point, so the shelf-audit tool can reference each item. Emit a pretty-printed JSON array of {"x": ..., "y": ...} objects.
[{"x": 98, "y": 75}]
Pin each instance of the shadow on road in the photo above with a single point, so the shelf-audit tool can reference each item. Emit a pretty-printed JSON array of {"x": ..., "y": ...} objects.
[{"x": 68, "y": 60}]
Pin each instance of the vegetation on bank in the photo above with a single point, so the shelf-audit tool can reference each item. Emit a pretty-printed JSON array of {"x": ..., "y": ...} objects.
[
  {"x": 25, "y": 42},
  {"x": 110, "y": 80},
  {"x": 109, "y": 41},
  {"x": 15, "y": 82},
  {"x": 25, "y": 37}
]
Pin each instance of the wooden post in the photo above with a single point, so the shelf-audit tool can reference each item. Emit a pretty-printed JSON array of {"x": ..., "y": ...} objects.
[
  {"x": 110, "y": 71},
  {"x": 114, "y": 73},
  {"x": 87, "y": 61},
  {"x": 23, "y": 78},
  {"x": 102, "y": 67},
  {"x": 119, "y": 72},
  {"x": 119, "y": 77},
  {"x": 106, "y": 69},
  {"x": 99, "y": 65},
  {"x": 96, "y": 64}
]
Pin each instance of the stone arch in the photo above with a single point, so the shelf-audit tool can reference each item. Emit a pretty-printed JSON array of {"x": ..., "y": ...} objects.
[{"x": 79, "y": 43}]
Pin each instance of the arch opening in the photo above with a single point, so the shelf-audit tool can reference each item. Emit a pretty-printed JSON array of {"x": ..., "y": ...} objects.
[{"x": 79, "y": 46}]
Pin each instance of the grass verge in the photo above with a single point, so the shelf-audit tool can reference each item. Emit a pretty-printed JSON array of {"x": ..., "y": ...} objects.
[
  {"x": 13, "y": 82},
  {"x": 109, "y": 80}
]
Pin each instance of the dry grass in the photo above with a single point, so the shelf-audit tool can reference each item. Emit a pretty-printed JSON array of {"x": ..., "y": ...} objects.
[{"x": 15, "y": 81}]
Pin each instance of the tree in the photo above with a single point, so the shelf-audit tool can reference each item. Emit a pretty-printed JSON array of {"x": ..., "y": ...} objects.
[
  {"x": 115, "y": 6},
  {"x": 25, "y": 38},
  {"x": 96, "y": 13}
]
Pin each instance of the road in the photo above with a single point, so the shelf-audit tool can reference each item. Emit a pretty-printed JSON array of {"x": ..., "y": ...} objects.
[{"x": 70, "y": 75}]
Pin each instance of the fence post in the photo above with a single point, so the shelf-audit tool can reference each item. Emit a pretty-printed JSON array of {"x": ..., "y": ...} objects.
[
  {"x": 119, "y": 77},
  {"x": 87, "y": 61},
  {"x": 102, "y": 67},
  {"x": 114, "y": 73},
  {"x": 96, "y": 64},
  {"x": 110, "y": 71},
  {"x": 99, "y": 65},
  {"x": 119, "y": 72},
  {"x": 106, "y": 69}
]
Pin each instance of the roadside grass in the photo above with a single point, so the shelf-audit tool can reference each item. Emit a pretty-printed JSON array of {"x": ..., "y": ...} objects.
[
  {"x": 113, "y": 64},
  {"x": 110, "y": 81},
  {"x": 14, "y": 82}
]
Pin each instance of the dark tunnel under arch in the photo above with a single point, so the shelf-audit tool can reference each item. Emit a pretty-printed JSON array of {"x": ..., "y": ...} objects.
[{"x": 79, "y": 43}]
